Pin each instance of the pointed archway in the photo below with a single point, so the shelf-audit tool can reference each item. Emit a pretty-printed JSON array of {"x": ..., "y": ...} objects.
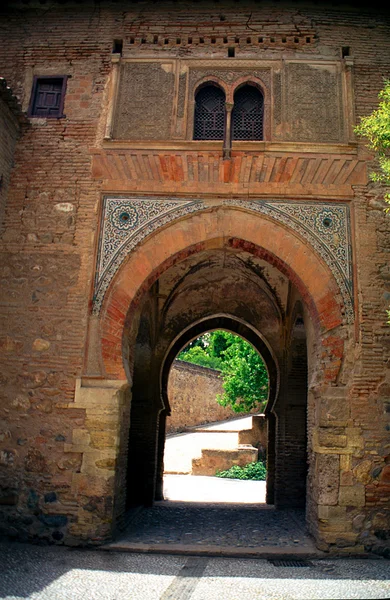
[{"x": 134, "y": 335}]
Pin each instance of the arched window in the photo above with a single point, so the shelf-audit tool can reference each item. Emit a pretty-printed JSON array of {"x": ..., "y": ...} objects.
[
  {"x": 209, "y": 122},
  {"x": 247, "y": 114}
]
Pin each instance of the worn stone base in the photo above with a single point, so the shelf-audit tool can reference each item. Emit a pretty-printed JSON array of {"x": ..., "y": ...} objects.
[{"x": 213, "y": 460}]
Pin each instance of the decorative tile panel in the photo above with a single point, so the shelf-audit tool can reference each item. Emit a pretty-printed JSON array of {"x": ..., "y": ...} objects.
[{"x": 126, "y": 221}]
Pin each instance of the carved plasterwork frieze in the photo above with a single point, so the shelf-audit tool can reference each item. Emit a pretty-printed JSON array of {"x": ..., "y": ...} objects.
[
  {"x": 312, "y": 98},
  {"x": 144, "y": 104},
  {"x": 127, "y": 221},
  {"x": 229, "y": 76}
]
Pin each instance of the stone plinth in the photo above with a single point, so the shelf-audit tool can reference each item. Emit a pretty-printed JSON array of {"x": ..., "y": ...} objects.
[{"x": 213, "y": 460}]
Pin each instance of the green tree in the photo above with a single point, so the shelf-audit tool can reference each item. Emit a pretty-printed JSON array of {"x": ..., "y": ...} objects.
[
  {"x": 219, "y": 341},
  {"x": 376, "y": 128},
  {"x": 245, "y": 377}
]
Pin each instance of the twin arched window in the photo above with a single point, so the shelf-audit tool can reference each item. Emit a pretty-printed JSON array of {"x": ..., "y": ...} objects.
[{"x": 210, "y": 114}]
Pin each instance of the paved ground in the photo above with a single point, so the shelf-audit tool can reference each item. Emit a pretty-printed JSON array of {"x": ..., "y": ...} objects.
[
  {"x": 57, "y": 573},
  {"x": 213, "y": 516},
  {"x": 182, "y": 544},
  {"x": 229, "y": 530}
]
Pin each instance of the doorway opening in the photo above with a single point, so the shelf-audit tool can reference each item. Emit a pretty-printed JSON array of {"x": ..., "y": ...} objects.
[{"x": 215, "y": 448}]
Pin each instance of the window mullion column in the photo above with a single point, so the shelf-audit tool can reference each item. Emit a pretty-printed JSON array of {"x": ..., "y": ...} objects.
[{"x": 227, "y": 138}]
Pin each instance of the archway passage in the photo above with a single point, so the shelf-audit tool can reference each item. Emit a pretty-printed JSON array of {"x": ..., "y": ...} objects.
[
  {"x": 218, "y": 289},
  {"x": 222, "y": 263}
]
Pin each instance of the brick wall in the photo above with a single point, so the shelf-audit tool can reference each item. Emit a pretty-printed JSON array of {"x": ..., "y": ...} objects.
[{"x": 9, "y": 132}]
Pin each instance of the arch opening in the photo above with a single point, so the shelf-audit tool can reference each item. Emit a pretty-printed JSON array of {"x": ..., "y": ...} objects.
[
  {"x": 218, "y": 386},
  {"x": 213, "y": 289}
]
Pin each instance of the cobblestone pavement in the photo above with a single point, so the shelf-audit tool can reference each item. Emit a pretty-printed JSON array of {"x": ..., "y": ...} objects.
[
  {"x": 58, "y": 573},
  {"x": 234, "y": 526}
]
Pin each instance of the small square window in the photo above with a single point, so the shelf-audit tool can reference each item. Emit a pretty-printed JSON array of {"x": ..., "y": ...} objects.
[{"x": 47, "y": 97}]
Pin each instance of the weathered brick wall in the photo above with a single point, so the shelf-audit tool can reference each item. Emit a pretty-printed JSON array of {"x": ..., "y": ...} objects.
[
  {"x": 47, "y": 268},
  {"x": 49, "y": 241},
  {"x": 9, "y": 132},
  {"x": 192, "y": 395}
]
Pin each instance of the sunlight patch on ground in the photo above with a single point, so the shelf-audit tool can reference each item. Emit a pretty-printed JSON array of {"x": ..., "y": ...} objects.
[{"x": 190, "y": 488}]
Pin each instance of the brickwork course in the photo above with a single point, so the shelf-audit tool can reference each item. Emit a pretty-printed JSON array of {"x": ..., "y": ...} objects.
[{"x": 123, "y": 238}]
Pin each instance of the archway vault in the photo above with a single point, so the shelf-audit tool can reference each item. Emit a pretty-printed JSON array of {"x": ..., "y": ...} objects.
[{"x": 153, "y": 244}]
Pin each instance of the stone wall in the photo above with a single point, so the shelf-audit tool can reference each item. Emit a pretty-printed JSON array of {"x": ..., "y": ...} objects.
[{"x": 192, "y": 395}]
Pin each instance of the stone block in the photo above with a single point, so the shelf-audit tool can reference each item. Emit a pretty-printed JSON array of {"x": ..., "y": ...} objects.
[
  {"x": 345, "y": 462},
  {"x": 334, "y": 412},
  {"x": 35, "y": 461},
  {"x": 362, "y": 471},
  {"x": 352, "y": 495},
  {"x": 346, "y": 478},
  {"x": 21, "y": 402},
  {"x": 327, "y": 474},
  {"x": 81, "y": 437},
  {"x": 381, "y": 520},
  {"x": 354, "y": 437},
  {"x": 103, "y": 439},
  {"x": 106, "y": 463},
  {"x": 92, "y": 393},
  {"x": 87, "y": 485},
  {"x": 95, "y": 457},
  {"x": 40, "y": 345},
  {"x": 334, "y": 512},
  {"x": 358, "y": 522},
  {"x": 257, "y": 435},
  {"x": 332, "y": 440},
  {"x": 341, "y": 539},
  {"x": 70, "y": 462}
]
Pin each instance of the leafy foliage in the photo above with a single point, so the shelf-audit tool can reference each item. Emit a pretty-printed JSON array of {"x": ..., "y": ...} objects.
[
  {"x": 376, "y": 127},
  {"x": 245, "y": 377},
  {"x": 198, "y": 356},
  {"x": 255, "y": 471}
]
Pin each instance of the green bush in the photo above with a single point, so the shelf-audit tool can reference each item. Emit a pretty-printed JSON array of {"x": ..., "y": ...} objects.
[{"x": 255, "y": 471}]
